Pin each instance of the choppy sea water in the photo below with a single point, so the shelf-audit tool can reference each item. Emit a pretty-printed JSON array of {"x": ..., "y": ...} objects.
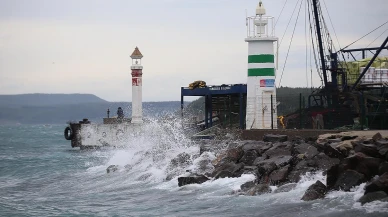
[{"x": 41, "y": 175}]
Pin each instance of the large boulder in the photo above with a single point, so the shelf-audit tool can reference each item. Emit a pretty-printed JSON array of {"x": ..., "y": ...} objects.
[
  {"x": 192, "y": 180},
  {"x": 259, "y": 189},
  {"x": 324, "y": 162},
  {"x": 380, "y": 184},
  {"x": 361, "y": 163},
  {"x": 373, "y": 196},
  {"x": 266, "y": 168},
  {"x": 368, "y": 149},
  {"x": 279, "y": 161},
  {"x": 307, "y": 150},
  {"x": 235, "y": 154},
  {"x": 279, "y": 175},
  {"x": 259, "y": 146},
  {"x": 249, "y": 157},
  {"x": 275, "y": 138},
  {"x": 348, "y": 179},
  {"x": 228, "y": 170},
  {"x": 315, "y": 191},
  {"x": 330, "y": 149},
  {"x": 280, "y": 149}
]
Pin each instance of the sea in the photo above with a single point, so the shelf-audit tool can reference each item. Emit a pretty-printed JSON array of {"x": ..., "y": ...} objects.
[{"x": 41, "y": 175}]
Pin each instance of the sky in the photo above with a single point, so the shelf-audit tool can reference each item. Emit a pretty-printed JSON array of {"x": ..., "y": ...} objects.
[{"x": 72, "y": 46}]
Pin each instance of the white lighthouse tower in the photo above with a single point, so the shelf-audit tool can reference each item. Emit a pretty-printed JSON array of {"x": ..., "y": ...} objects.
[
  {"x": 137, "y": 72},
  {"x": 261, "y": 112}
]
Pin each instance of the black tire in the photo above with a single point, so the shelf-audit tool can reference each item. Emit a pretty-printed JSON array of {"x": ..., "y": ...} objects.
[{"x": 68, "y": 133}]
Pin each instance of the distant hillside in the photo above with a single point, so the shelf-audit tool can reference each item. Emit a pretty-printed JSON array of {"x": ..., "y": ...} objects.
[
  {"x": 60, "y": 108},
  {"x": 47, "y": 99}
]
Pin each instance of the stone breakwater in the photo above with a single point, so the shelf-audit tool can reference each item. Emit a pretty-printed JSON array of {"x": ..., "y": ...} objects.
[{"x": 346, "y": 160}]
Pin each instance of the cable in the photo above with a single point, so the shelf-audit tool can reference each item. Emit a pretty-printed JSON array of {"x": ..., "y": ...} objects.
[
  {"x": 280, "y": 13},
  {"x": 373, "y": 41},
  {"x": 365, "y": 35},
  {"x": 305, "y": 39},
  {"x": 292, "y": 15},
  {"x": 332, "y": 26},
  {"x": 285, "y": 62}
]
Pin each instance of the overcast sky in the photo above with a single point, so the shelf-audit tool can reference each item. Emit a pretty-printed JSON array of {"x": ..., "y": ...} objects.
[{"x": 73, "y": 46}]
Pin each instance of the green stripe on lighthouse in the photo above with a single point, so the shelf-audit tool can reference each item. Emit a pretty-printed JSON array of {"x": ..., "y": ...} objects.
[
  {"x": 261, "y": 72},
  {"x": 262, "y": 58}
]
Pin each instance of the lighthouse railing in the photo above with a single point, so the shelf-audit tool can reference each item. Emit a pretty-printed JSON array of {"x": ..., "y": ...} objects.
[{"x": 255, "y": 22}]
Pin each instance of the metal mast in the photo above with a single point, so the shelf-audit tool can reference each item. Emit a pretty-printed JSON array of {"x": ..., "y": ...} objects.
[{"x": 319, "y": 35}]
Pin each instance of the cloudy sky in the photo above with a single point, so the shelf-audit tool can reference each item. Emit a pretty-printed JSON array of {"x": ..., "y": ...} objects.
[{"x": 73, "y": 46}]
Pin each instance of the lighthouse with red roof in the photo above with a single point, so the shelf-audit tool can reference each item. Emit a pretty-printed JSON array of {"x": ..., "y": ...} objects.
[{"x": 137, "y": 72}]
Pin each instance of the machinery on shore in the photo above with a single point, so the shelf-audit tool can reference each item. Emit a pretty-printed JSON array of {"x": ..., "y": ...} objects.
[{"x": 353, "y": 94}]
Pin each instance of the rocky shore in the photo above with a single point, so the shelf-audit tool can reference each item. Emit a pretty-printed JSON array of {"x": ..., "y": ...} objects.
[{"x": 347, "y": 160}]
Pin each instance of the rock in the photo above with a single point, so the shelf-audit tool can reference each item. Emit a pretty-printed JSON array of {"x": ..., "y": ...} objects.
[
  {"x": 260, "y": 159},
  {"x": 285, "y": 188},
  {"x": 300, "y": 169},
  {"x": 112, "y": 168},
  {"x": 372, "y": 196},
  {"x": 221, "y": 159},
  {"x": 279, "y": 161},
  {"x": 383, "y": 151},
  {"x": 259, "y": 189},
  {"x": 228, "y": 170},
  {"x": 307, "y": 150},
  {"x": 377, "y": 137},
  {"x": 332, "y": 176},
  {"x": 315, "y": 191},
  {"x": 191, "y": 180},
  {"x": 259, "y": 146},
  {"x": 383, "y": 168},
  {"x": 235, "y": 154},
  {"x": 248, "y": 185},
  {"x": 381, "y": 142},
  {"x": 347, "y": 137},
  {"x": 249, "y": 157},
  {"x": 266, "y": 168},
  {"x": 275, "y": 138},
  {"x": 279, "y": 175},
  {"x": 368, "y": 149},
  {"x": 380, "y": 184},
  {"x": 344, "y": 147},
  {"x": 361, "y": 163},
  {"x": 335, "y": 140},
  {"x": 348, "y": 179},
  {"x": 324, "y": 162},
  {"x": 331, "y": 150},
  {"x": 279, "y": 149}
]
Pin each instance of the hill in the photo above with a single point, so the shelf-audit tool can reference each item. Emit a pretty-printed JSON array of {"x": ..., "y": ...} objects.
[
  {"x": 61, "y": 108},
  {"x": 38, "y": 99}
]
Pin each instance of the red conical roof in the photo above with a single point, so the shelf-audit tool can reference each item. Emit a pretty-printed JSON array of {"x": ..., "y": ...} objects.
[{"x": 136, "y": 54}]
